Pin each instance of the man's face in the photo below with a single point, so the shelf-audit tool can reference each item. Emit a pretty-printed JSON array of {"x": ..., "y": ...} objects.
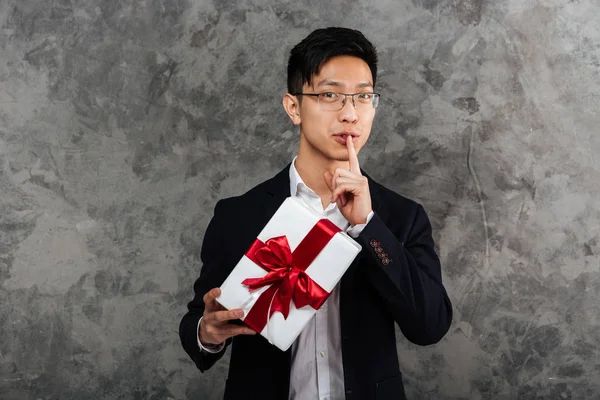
[{"x": 326, "y": 131}]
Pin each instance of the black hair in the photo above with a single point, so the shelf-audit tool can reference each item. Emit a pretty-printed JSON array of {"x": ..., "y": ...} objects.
[{"x": 307, "y": 57}]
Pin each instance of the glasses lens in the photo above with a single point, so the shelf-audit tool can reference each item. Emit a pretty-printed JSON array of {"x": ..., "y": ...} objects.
[
  {"x": 375, "y": 100},
  {"x": 331, "y": 101}
]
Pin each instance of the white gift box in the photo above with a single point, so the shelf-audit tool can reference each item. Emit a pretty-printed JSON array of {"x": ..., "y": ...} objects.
[{"x": 294, "y": 220}]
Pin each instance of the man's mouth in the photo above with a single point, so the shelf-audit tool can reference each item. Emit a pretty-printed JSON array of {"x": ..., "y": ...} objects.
[{"x": 343, "y": 136}]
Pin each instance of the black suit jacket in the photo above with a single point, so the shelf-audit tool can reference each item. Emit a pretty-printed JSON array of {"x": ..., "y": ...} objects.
[{"x": 375, "y": 293}]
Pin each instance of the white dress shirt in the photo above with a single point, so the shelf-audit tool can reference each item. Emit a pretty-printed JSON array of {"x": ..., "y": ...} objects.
[{"x": 316, "y": 369}]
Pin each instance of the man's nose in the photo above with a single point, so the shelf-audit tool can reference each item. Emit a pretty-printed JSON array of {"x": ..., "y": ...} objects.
[{"x": 348, "y": 112}]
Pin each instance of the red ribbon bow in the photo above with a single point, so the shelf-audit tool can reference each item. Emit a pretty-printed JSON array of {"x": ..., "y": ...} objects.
[{"x": 286, "y": 274}]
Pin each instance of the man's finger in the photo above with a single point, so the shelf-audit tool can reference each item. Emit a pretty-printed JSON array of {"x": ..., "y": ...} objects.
[
  {"x": 352, "y": 157},
  {"x": 223, "y": 332},
  {"x": 234, "y": 330},
  {"x": 343, "y": 179},
  {"x": 210, "y": 299},
  {"x": 224, "y": 316},
  {"x": 342, "y": 192},
  {"x": 340, "y": 195}
]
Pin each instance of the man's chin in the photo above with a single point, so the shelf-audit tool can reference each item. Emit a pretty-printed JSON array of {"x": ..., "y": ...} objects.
[{"x": 336, "y": 156}]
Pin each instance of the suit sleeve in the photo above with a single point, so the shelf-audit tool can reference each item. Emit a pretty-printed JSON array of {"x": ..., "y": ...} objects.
[
  {"x": 212, "y": 260},
  {"x": 408, "y": 277}
]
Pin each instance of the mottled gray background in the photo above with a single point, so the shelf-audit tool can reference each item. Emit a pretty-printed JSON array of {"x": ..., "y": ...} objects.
[{"x": 123, "y": 121}]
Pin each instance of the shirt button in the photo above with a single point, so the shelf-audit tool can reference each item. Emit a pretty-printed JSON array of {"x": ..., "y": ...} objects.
[{"x": 322, "y": 354}]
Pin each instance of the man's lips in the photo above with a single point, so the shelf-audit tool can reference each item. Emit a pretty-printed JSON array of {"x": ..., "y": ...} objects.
[{"x": 343, "y": 136}]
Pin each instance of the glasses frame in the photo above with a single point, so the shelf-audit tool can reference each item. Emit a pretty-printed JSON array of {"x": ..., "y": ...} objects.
[{"x": 317, "y": 95}]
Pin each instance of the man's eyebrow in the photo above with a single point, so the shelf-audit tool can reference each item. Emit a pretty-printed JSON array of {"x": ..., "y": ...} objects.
[
  {"x": 329, "y": 82},
  {"x": 365, "y": 85}
]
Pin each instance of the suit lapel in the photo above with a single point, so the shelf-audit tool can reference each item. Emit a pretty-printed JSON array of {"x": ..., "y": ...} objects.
[
  {"x": 376, "y": 199},
  {"x": 278, "y": 189}
]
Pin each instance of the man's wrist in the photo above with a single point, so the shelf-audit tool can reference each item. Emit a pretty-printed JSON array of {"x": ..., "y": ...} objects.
[
  {"x": 208, "y": 347},
  {"x": 355, "y": 230}
]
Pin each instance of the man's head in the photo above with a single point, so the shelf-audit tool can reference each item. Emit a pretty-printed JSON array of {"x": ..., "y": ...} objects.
[
  {"x": 308, "y": 56},
  {"x": 326, "y": 62}
]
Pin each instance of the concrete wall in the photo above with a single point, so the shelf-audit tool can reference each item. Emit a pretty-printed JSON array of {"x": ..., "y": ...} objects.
[{"x": 122, "y": 122}]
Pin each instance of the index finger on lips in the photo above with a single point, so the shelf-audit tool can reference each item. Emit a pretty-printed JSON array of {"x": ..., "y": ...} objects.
[{"x": 352, "y": 157}]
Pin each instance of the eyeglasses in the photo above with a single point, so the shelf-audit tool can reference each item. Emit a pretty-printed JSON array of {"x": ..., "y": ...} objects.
[{"x": 333, "y": 101}]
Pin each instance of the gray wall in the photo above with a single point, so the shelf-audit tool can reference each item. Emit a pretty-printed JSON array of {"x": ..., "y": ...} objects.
[{"x": 123, "y": 122}]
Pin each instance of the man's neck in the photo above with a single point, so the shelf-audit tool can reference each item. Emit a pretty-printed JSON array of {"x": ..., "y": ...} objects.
[{"x": 311, "y": 168}]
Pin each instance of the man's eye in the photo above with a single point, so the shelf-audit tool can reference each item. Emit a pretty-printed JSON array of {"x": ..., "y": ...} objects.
[
  {"x": 365, "y": 96},
  {"x": 329, "y": 95}
]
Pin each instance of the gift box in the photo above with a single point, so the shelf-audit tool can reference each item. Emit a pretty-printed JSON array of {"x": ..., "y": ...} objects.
[{"x": 288, "y": 272}]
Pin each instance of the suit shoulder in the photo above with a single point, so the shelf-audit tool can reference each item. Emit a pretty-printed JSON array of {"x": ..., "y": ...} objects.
[
  {"x": 253, "y": 196},
  {"x": 393, "y": 198}
]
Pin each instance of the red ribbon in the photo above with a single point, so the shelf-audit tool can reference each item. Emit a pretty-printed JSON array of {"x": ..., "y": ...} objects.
[{"x": 286, "y": 274}]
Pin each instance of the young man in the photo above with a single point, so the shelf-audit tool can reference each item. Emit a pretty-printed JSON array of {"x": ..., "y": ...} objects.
[{"x": 348, "y": 350}]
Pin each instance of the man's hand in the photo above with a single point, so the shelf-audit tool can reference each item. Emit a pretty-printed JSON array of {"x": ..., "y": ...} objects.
[
  {"x": 214, "y": 328},
  {"x": 350, "y": 189}
]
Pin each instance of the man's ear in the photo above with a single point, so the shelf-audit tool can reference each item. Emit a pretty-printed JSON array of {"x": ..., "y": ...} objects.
[{"x": 291, "y": 105}]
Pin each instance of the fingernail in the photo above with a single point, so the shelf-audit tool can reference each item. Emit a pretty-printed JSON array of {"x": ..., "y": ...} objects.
[{"x": 239, "y": 314}]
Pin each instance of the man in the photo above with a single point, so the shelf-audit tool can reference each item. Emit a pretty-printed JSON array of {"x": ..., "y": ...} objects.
[{"x": 348, "y": 349}]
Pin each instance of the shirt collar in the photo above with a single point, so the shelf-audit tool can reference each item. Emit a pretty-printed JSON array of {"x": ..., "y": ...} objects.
[
  {"x": 298, "y": 185},
  {"x": 295, "y": 179}
]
